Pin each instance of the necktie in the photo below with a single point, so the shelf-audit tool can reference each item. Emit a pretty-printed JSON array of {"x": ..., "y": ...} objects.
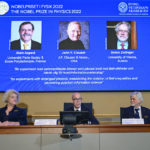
[
  {"x": 136, "y": 115},
  {"x": 25, "y": 45},
  {"x": 122, "y": 45}
]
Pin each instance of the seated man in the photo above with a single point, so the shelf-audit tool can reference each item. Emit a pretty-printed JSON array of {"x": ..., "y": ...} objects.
[
  {"x": 77, "y": 101},
  {"x": 136, "y": 110}
]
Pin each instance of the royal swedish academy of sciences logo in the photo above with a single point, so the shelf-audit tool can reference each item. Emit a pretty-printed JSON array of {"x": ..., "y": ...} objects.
[
  {"x": 4, "y": 7},
  {"x": 122, "y": 7}
]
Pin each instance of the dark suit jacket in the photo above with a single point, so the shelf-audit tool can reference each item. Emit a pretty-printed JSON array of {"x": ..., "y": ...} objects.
[
  {"x": 128, "y": 112},
  {"x": 15, "y": 45},
  {"x": 83, "y": 108},
  {"x": 16, "y": 115}
]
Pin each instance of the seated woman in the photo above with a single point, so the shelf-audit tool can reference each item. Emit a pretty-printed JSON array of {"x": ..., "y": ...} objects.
[{"x": 11, "y": 114}]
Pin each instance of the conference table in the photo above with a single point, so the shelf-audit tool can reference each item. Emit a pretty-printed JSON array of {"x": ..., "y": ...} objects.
[{"x": 92, "y": 137}]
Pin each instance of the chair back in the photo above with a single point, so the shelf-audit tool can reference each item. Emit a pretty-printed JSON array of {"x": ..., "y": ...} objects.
[{"x": 87, "y": 105}]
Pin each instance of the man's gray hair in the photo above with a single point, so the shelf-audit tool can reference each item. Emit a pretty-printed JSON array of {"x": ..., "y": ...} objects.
[
  {"x": 8, "y": 93},
  {"x": 123, "y": 22},
  {"x": 138, "y": 95}
]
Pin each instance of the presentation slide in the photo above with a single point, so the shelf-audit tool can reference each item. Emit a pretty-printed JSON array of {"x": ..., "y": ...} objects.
[{"x": 74, "y": 45}]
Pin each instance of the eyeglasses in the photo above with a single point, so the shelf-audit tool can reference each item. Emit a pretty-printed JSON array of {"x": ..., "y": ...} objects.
[
  {"x": 125, "y": 31},
  {"x": 77, "y": 98}
]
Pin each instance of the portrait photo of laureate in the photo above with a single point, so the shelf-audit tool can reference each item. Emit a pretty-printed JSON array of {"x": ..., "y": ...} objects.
[
  {"x": 119, "y": 35},
  {"x": 25, "y": 42},
  {"x": 73, "y": 35}
]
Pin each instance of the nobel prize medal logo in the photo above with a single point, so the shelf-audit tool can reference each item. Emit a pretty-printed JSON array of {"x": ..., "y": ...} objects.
[
  {"x": 122, "y": 7},
  {"x": 4, "y": 7}
]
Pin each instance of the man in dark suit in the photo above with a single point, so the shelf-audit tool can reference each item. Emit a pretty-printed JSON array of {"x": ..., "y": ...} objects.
[
  {"x": 78, "y": 106},
  {"x": 122, "y": 40},
  {"x": 25, "y": 42},
  {"x": 136, "y": 110}
]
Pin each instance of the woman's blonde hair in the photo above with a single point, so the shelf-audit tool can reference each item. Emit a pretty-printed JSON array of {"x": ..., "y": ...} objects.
[{"x": 8, "y": 93}]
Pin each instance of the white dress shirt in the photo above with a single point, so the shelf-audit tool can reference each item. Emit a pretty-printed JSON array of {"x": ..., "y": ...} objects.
[
  {"x": 77, "y": 109},
  {"x": 28, "y": 45},
  {"x": 140, "y": 112},
  {"x": 119, "y": 45}
]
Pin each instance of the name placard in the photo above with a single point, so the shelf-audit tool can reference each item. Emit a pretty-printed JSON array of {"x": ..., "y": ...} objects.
[
  {"x": 132, "y": 121},
  {"x": 45, "y": 122}
]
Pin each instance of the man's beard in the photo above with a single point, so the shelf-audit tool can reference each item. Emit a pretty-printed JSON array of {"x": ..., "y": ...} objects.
[{"x": 122, "y": 39}]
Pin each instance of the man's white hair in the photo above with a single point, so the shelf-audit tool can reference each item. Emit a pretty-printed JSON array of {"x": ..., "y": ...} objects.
[{"x": 138, "y": 95}]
